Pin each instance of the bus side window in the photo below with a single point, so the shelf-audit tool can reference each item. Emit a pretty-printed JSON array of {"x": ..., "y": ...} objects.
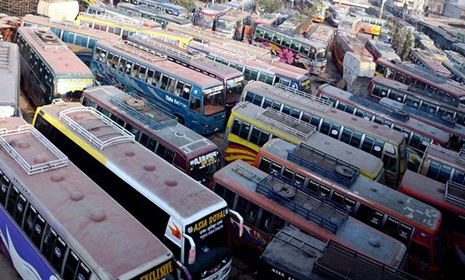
[
  {"x": 58, "y": 254},
  {"x": 49, "y": 242},
  {"x": 179, "y": 161},
  {"x": 38, "y": 230},
  {"x": 11, "y": 201},
  {"x": 5, "y": 185},
  {"x": 20, "y": 207}
]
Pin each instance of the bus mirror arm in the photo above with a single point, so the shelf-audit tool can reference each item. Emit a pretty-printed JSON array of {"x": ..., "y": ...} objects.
[
  {"x": 241, "y": 221},
  {"x": 184, "y": 270},
  {"x": 191, "y": 259}
]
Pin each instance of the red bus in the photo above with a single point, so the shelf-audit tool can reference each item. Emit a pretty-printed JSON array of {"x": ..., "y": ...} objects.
[
  {"x": 381, "y": 49},
  {"x": 424, "y": 106},
  {"x": 421, "y": 79},
  {"x": 345, "y": 43},
  {"x": 449, "y": 198},
  {"x": 426, "y": 60},
  {"x": 443, "y": 165},
  {"x": 408, "y": 220},
  {"x": 268, "y": 203},
  {"x": 418, "y": 134}
]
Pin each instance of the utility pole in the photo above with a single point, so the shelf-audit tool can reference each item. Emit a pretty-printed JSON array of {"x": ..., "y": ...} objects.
[{"x": 382, "y": 7}]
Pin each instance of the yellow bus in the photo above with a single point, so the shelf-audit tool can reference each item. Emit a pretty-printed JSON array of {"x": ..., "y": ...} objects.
[
  {"x": 371, "y": 25},
  {"x": 251, "y": 126},
  {"x": 125, "y": 27}
]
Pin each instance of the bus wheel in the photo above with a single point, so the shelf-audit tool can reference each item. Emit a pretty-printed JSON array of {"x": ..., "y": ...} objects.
[{"x": 180, "y": 119}]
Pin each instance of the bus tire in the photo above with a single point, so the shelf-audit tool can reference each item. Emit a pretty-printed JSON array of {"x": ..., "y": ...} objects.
[
  {"x": 47, "y": 37},
  {"x": 135, "y": 103},
  {"x": 344, "y": 171},
  {"x": 180, "y": 119}
]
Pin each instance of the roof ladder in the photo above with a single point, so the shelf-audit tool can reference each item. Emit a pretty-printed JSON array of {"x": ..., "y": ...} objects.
[
  {"x": 455, "y": 193},
  {"x": 286, "y": 123},
  {"x": 32, "y": 168},
  {"x": 123, "y": 137}
]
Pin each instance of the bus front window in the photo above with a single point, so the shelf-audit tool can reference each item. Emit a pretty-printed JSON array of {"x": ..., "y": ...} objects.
[
  {"x": 210, "y": 235},
  {"x": 225, "y": 26},
  {"x": 321, "y": 55},
  {"x": 203, "y": 167},
  {"x": 213, "y": 101}
]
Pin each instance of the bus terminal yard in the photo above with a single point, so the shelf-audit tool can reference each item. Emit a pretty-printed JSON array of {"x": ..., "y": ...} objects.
[{"x": 226, "y": 143}]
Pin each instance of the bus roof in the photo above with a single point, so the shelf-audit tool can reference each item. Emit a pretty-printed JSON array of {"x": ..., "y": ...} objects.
[
  {"x": 248, "y": 181},
  {"x": 162, "y": 125},
  {"x": 447, "y": 195},
  {"x": 363, "y": 187},
  {"x": 343, "y": 153},
  {"x": 76, "y": 206},
  {"x": 161, "y": 182},
  {"x": 161, "y": 62},
  {"x": 41, "y": 21},
  {"x": 55, "y": 53}
]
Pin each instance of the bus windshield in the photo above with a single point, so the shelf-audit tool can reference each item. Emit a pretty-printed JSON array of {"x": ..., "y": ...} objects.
[
  {"x": 209, "y": 235},
  {"x": 205, "y": 165},
  {"x": 213, "y": 101}
]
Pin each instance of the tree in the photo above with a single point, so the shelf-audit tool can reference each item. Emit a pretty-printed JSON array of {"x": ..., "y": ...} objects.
[
  {"x": 270, "y": 6},
  {"x": 185, "y": 3},
  {"x": 408, "y": 44}
]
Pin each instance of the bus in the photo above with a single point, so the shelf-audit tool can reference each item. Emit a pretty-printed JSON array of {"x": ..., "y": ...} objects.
[
  {"x": 191, "y": 220},
  {"x": 196, "y": 99},
  {"x": 256, "y": 68},
  {"x": 296, "y": 26},
  {"x": 380, "y": 49},
  {"x": 157, "y": 130},
  {"x": 417, "y": 133},
  {"x": 250, "y": 127},
  {"x": 424, "y": 106},
  {"x": 232, "y": 24},
  {"x": 242, "y": 5},
  {"x": 49, "y": 69},
  {"x": 456, "y": 65},
  {"x": 458, "y": 47},
  {"x": 166, "y": 7},
  {"x": 449, "y": 198},
  {"x": 427, "y": 102},
  {"x": 378, "y": 140},
  {"x": 371, "y": 25},
  {"x": 291, "y": 48},
  {"x": 151, "y": 14},
  {"x": 411, "y": 221},
  {"x": 125, "y": 28},
  {"x": 343, "y": 44},
  {"x": 232, "y": 79},
  {"x": 80, "y": 39},
  {"x": 208, "y": 17},
  {"x": 319, "y": 9},
  {"x": 10, "y": 74},
  {"x": 428, "y": 46},
  {"x": 271, "y": 19},
  {"x": 293, "y": 254},
  {"x": 349, "y": 26},
  {"x": 418, "y": 78},
  {"x": 324, "y": 35},
  {"x": 443, "y": 165},
  {"x": 54, "y": 219},
  {"x": 268, "y": 203},
  {"x": 424, "y": 59}
]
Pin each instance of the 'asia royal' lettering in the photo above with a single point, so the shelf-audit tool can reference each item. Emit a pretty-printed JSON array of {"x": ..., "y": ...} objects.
[
  {"x": 210, "y": 220},
  {"x": 159, "y": 273}
]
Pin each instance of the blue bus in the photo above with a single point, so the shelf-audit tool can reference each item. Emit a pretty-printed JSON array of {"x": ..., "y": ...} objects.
[{"x": 196, "y": 99}]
